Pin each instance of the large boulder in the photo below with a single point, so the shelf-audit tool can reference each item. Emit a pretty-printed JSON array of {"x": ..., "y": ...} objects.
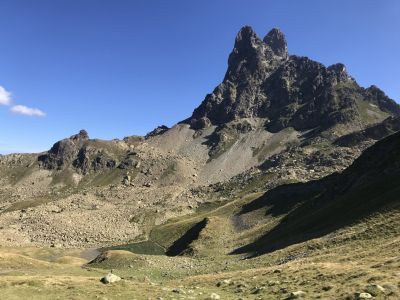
[{"x": 110, "y": 278}]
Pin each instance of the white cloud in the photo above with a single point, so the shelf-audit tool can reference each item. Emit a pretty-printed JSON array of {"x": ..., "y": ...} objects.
[
  {"x": 5, "y": 96},
  {"x": 6, "y": 99},
  {"x": 27, "y": 111}
]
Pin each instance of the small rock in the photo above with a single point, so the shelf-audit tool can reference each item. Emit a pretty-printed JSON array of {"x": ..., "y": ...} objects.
[
  {"x": 224, "y": 282},
  {"x": 257, "y": 290},
  {"x": 214, "y": 296},
  {"x": 178, "y": 291},
  {"x": 110, "y": 278},
  {"x": 126, "y": 180},
  {"x": 296, "y": 295},
  {"x": 364, "y": 296}
]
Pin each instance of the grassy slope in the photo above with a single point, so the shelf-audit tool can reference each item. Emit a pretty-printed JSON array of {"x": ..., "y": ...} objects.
[
  {"x": 313, "y": 209},
  {"x": 331, "y": 267}
]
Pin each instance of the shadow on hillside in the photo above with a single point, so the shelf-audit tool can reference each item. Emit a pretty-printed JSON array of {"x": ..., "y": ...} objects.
[
  {"x": 317, "y": 208},
  {"x": 182, "y": 244}
]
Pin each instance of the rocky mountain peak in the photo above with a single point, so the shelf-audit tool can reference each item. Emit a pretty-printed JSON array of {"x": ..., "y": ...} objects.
[
  {"x": 246, "y": 37},
  {"x": 247, "y": 55},
  {"x": 263, "y": 81},
  {"x": 276, "y": 40},
  {"x": 82, "y": 135}
]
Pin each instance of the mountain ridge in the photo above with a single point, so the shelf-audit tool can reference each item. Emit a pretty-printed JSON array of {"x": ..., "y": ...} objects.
[
  {"x": 275, "y": 119},
  {"x": 288, "y": 90}
]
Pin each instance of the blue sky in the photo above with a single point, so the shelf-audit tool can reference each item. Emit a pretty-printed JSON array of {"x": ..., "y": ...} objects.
[{"x": 118, "y": 67}]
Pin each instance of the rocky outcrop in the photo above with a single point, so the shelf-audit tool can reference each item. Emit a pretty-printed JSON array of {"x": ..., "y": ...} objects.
[
  {"x": 157, "y": 131},
  {"x": 91, "y": 158},
  {"x": 77, "y": 152},
  {"x": 263, "y": 81},
  {"x": 64, "y": 152},
  {"x": 376, "y": 96},
  {"x": 276, "y": 40}
]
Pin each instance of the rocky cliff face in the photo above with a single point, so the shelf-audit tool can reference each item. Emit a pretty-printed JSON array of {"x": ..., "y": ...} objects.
[
  {"x": 78, "y": 152},
  {"x": 64, "y": 152},
  {"x": 263, "y": 80}
]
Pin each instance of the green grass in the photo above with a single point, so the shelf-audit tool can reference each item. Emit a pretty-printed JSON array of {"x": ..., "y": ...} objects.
[
  {"x": 105, "y": 178},
  {"x": 28, "y": 204},
  {"x": 145, "y": 247},
  {"x": 370, "y": 114},
  {"x": 333, "y": 267},
  {"x": 64, "y": 177},
  {"x": 169, "y": 232}
]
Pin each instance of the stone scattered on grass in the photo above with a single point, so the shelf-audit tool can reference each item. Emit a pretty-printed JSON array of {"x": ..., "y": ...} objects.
[
  {"x": 257, "y": 290},
  {"x": 364, "y": 296},
  {"x": 223, "y": 282},
  {"x": 178, "y": 291},
  {"x": 297, "y": 295},
  {"x": 110, "y": 278},
  {"x": 214, "y": 296}
]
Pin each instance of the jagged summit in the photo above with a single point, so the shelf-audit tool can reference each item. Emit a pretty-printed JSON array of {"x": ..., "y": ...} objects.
[
  {"x": 247, "y": 39},
  {"x": 276, "y": 40},
  {"x": 264, "y": 81},
  {"x": 251, "y": 54},
  {"x": 246, "y": 35},
  {"x": 82, "y": 135}
]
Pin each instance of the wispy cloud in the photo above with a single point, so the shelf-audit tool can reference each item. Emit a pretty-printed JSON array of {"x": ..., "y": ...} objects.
[
  {"x": 6, "y": 99},
  {"x": 5, "y": 96},
  {"x": 27, "y": 111}
]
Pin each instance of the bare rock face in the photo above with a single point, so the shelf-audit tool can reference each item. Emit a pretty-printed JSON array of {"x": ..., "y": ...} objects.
[
  {"x": 263, "y": 81},
  {"x": 378, "y": 97},
  {"x": 77, "y": 152},
  {"x": 157, "y": 131},
  {"x": 64, "y": 152},
  {"x": 82, "y": 135},
  {"x": 276, "y": 40},
  {"x": 90, "y": 158}
]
